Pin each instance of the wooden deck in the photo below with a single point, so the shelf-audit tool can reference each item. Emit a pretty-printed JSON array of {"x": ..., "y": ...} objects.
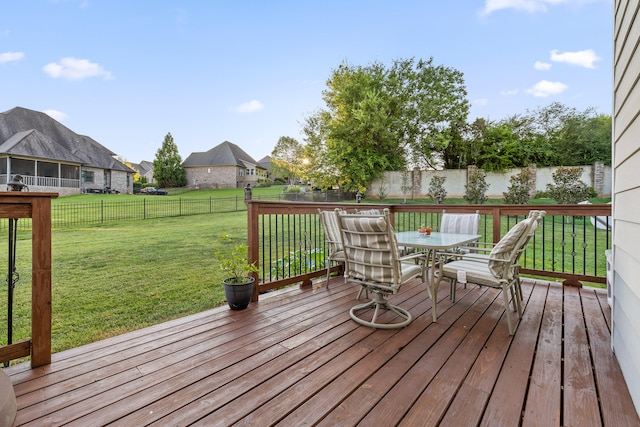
[{"x": 296, "y": 358}]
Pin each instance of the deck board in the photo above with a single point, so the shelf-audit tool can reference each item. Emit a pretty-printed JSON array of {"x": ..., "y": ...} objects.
[
  {"x": 581, "y": 399},
  {"x": 543, "y": 405},
  {"x": 296, "y": 358}
]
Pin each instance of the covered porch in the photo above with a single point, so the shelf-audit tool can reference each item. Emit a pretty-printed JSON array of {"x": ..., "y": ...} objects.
[{"x": 296, "y": 358}]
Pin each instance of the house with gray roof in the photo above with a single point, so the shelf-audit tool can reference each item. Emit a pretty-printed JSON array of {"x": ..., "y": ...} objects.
[
  {"x": 224, "y": 166},
  {"x": 52, "y": 158},
  {"x": 145, "y": 170}
]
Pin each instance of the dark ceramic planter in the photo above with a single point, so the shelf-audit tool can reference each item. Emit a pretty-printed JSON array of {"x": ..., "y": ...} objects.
[{"x": 238, "y": 294}]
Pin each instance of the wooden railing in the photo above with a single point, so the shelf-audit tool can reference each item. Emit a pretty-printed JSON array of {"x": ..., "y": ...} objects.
[
  {"x": 36, "y": 206},
  {"x": 286, "y": 240}
]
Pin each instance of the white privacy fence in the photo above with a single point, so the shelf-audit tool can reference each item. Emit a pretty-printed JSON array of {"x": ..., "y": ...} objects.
[{"x": 416, "y": 182}]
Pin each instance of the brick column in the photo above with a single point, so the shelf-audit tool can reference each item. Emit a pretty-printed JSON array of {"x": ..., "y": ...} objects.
[
  {"x": 417, "y": 183},
  {"x": 597, "y": 178},
  {"x": 533, "y": 180}
]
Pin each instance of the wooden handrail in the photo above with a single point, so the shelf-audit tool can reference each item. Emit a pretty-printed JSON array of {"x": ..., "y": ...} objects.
[{"x": 259, "y": 208}]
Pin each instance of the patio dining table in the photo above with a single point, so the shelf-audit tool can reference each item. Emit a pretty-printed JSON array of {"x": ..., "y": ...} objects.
[{"x": 434, "y": 246}]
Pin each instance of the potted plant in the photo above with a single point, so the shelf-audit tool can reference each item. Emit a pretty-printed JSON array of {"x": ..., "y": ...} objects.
[{"x": 238, "y": 285}]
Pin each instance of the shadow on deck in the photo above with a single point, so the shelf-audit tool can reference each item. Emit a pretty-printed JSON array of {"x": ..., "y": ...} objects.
[{"x": 296, "y": 358}]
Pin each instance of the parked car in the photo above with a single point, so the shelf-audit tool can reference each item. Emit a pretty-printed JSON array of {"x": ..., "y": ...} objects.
[{"x": 153, "y": 191}]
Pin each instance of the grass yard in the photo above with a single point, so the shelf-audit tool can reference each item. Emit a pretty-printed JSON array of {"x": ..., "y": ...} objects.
[
  {"x": 189, "y": 193},
  {"x": 124, "y": 276}
]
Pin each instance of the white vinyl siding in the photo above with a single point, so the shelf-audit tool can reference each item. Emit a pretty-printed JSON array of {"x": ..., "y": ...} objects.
[{"x": 626, "y": 193}]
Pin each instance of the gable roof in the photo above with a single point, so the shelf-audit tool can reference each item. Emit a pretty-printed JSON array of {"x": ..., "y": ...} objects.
[
  {"x": 224, "y": 154},
  {"x": 143, "y": 167},
  {"x": 32, "y": 143},
  {"x": 265, "y": 162},
  {"x": 51, "y": 138}
]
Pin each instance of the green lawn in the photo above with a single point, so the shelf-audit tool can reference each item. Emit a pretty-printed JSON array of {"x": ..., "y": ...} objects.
[
  {"x": 173, "y": 193},
  {"x": 120, "y": 277}
]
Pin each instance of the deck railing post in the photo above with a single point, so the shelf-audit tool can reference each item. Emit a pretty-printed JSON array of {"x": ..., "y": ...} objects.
[
  {"x": 253, "y": 236},
  {"x": 36, "y": 206}
]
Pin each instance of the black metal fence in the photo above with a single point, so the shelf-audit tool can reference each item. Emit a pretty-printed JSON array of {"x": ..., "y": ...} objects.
[
  {"x": 105, "y": 211},
  {"x": 287, "y": 241}
]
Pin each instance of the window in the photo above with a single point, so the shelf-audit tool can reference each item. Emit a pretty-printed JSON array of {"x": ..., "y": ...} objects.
[{"x": 87, "y": 176}]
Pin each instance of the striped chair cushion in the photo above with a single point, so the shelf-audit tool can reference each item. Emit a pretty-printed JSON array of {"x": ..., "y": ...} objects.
[
  {"x": 332, "y": 228},
  {"x": 505, "y": 249},
  {"x": 372, "y": 258},
  {"x": 460, "y": 223}
]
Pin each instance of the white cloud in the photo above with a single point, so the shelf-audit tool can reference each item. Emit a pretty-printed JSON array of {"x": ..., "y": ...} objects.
[
  {"x": 75, "y": 69},
  {"x": 81, "y": 3},
  {"x": 523, "y": 5},
  {"x": 250, "y": 107},
  {"x": 529, "y": 6},
  {"x": 10, "y": 57},
  {"x": 542, "y": 66},
  {"x": 582, "y": 58},
  {"x": 545, "y": 88},
  {"x": 480, "y": 102},
  {"x": 510, "y": 92},
  {"x": 55, "y": 114}
]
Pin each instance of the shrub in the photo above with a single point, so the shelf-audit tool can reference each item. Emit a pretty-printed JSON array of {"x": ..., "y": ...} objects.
[
  {"x": 407, "y": 184},
  {"x": 436, "y": 190},
  {"x": 518, "y": 192},
  {"x": 293, "y": 189},
  {"x": 476, "y": 187},
  {"x": 382, "y": 189},
  {"x": 298, "y": 262},
  {"x": 567, "y": 186}
]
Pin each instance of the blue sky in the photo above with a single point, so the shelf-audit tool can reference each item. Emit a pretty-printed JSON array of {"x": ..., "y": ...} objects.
[{"x": 127, "y": 72}]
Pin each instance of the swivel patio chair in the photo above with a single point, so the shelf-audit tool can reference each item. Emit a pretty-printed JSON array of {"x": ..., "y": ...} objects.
[{"x": 372, "y": 260}]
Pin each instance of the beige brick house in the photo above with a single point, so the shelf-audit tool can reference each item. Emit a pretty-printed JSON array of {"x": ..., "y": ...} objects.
[{"x": 224, "y": 166}]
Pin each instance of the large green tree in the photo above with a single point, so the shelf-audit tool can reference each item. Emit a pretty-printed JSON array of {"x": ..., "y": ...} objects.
[
  {"x": 553, "y": 135},
  {"x": 287, "y": 158},
  {"x": 167, "y": 166},
  {"x": 379, "y": 119},
  {"x": 321, "y": 171}
]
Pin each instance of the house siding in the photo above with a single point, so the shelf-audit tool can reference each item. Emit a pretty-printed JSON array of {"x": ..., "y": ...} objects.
[
  {"x": 213, "y": 176},
  {"x": 626, "y": 193},
  {"x": 120, "y": 183},
  {"x": 98, "y": 179}
]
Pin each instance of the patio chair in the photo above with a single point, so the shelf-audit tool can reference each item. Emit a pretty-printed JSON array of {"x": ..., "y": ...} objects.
[
  {"x": 464, "y": 223},
  {"x": 372, "y": 260},
  {"x": 481, "y": 254},
  {"x": 500, "y": 269},
  {"x": 332, "y": 238},
  {"x": 368, "y": 211}
]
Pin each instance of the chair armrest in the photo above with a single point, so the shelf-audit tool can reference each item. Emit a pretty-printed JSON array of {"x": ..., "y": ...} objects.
[{"x": 413, "y": 256}]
